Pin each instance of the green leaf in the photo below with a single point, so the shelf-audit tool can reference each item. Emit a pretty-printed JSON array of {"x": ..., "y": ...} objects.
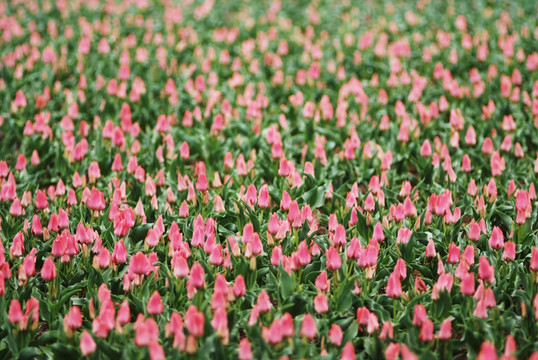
[{"x": 286, "y": 283}]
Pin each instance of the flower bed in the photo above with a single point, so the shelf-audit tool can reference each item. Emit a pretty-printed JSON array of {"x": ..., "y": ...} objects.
[{"x": 260, "y": 180}]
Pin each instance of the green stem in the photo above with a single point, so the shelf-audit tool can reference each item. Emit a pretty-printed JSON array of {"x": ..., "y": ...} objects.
[{"x": 350, "y": 268}]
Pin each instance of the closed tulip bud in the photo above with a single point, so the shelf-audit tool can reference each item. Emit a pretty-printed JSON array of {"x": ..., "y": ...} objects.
[
  {"x": 509, "y": 252},
  {"x": 348, "y": 353},
  {"x": 239, "y": 288},
  {"x": 71, "y": 198},
  {"x": 378, "y": 232},
  {"x": 303, "y": 255},
  {"x": 392, "y": 351},
  {"x": 426, "y": 331},
  {"x": 155, "y": 304},
  {"x": 41, "y": 201},
  {"x": 426, "y": 149},
  {"x": 264, "y": 199},
  {"x": 48, "y": 272},
  {"x": 73, "y": 319},
  {"x": 273, "y": 335},
  {"x": 496, "y": 241},
  {"x": 322, "y": 282},
  {"x": 16, "y": 208},
  {"x": 474, "y": 231},
  {"x": 87, "y": 344},
  {"x": 522, "y": 200},
  {"x": 466, "y": 164},
  {"x": 486, "y": 271},
  {"x": 406, "y": 353},
  {"x": 197, "y": 275},
  {"x": 245, "y": 350},
  {"x": 194, "y": 321},
  {"x": 202, "y": 183},
  {"x": 321, "y": 304},
  {"x": 124, "y": 313},
  {"x": 387, "y": 331},
  {"x": 37, "y": 229},
  {"x": 180, "y": 266},
  {"x": 468, "y": 255},
  {"x": 487, "y": 351},
  {"x": 146, "y": 331},
  {"x": 96, "y": 200},
  {"x": 103, "y": 259},
  {"x": 184, "y": 150},
  {"x": 510, "y": 347},
  {"x": 467, "y": 285},
  {"x": 15, "y": 314},
  {"x": 140, "y": 264},
  {"x": 453, "y": 254},
  {"x": 394, "y": 286},
  {"x": 286, "y": 325},
  {"x": 263, "y": 302},
  {"x": 156, "y": 351},
  {"x": 480, "y": 309},
  {"x": 220, "y": 324},
  {"x": 404, "y": 234},
  {"x": 534, "y": 259},
  {"x": 336, "y": 335},
  {"x": 32, "y": 309},
  {"x": 521, "y": 217},
  {"x": 333, "y": 260},
  {"x": 191, "y": 344},
  {"x": 445, "y": 331},
  {"x": 215, "y": 257},
  {"x": 369, "y": 203},
  {"x": 308, "y": 327},
  {"x": 419, "y": 315},
  {"x": 430, "y": 249},
  {"x": 339, "y": 238},
  {"x": 401, "y": 269},
  {"x": 119, "y": 255}
]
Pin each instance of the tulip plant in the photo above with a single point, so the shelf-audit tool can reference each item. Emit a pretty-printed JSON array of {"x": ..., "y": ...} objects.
[{"x": 268, "y": 179}]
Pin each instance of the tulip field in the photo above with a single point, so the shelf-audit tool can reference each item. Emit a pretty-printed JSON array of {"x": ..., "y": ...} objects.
[{"x": 268, "y": 179}]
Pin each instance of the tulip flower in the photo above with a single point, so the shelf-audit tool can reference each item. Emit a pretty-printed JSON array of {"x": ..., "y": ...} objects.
[{"x": 87, "y": 344}]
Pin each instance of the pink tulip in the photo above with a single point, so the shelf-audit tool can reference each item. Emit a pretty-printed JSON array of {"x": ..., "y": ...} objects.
[
  {"x": 155, "y": 305},
  {"x": 48, "y": 272},
  {"x": 87, "y": 344},
  {"x": 194, "y": 321},
  {"x": 333, "y": 260},
  {"x": 245, "y": 350},
  {"x": 394, "y": 287},
  {"x": 445, "y": 331}
]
